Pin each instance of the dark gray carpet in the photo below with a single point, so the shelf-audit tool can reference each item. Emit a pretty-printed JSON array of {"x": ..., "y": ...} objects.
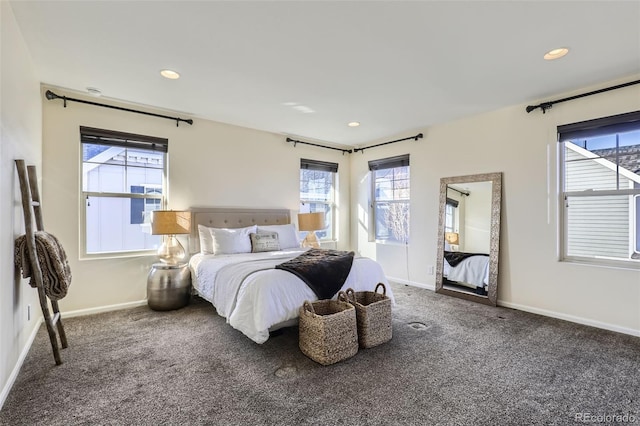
[{"x": 450, "y": 362}]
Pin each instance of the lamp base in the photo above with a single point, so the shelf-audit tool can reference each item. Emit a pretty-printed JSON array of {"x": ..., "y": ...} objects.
[
  {"x": 171, "y": 251},
  {"x": 311, "y": 240}
]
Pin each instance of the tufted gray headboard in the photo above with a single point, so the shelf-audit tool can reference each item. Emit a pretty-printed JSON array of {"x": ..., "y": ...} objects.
[{"x": 232, "y": 218}]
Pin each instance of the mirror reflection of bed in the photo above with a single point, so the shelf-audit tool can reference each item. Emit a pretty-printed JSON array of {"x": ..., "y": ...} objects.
[
  {"x": 468, "y": 274},
  {"x": 468, "y": 237}
]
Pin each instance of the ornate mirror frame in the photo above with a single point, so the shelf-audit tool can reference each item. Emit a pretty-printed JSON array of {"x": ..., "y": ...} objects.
[{"x": 494, "y": 245}]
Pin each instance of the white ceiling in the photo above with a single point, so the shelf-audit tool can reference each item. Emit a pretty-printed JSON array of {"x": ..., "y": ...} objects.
[{"x": 393, "y": 66}]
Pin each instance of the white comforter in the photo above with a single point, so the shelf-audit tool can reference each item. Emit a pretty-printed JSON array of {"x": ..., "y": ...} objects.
[
  {"x": 472, "y": 270},
  {"x": 254, "y": 297}
]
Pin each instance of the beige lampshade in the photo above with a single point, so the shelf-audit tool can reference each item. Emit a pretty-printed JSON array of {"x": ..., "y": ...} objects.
[
  {"x": 170, "y": 222},
  {"x": 451, "y": 237},
  {"x": 310, "y": 221}
]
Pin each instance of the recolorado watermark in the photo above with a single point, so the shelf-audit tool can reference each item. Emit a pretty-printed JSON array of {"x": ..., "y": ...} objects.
[{"x": 605, "y": 418}]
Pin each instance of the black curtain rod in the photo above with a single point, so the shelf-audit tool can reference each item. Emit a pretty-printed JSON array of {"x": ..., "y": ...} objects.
[
  {"x": 416, "y": 137},
  {"x": 349, "y": 151},
  {"x": 295, "y": 142},
  {"x": 50, "y": 95},
  {"x": 547, "y": 105},
  {"x": 467, "y": 193}
]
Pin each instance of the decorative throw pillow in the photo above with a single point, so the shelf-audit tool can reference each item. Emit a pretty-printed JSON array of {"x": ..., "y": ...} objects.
[
  {"x": 264, "y": 241},
  {"x": 287, "y": 235},
  {"x": 206, "y": 241},
  {"x": 232, "y": 240}
]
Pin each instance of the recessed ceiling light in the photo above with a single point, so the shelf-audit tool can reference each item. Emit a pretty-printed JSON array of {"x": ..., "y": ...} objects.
[
  {"x": 94, "y": 91},
  {"x": 556, "y": 53},
  {"x": 172, "y": 75},
  {"x": 353, "y": 124}
]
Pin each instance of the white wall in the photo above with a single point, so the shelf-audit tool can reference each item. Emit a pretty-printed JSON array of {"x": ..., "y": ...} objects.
[
  {"x": 476, "y": 235},
  {"x": 20, "y": 138},
  {"x": 210, "y": 164},
  {"x": 522, "y": 146}
]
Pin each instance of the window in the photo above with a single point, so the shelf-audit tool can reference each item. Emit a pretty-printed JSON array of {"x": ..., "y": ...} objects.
[
  {"x": 390, "y": 182},
  {"x": 600, "y": 185},
  {"x": 123, "y": 181},
  {"x": 317, "y": 193},
  {"x": 450, "y": 215},
  {"x": 141, "y": 208}
]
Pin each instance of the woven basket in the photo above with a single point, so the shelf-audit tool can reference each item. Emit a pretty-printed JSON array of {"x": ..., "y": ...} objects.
[
  {"x": 373, "y": 313},
  {"x": 328, "y": 331}
]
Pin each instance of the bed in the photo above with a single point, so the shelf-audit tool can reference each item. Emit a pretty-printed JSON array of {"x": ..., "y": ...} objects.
[
  {"x": 467, "y": 269},
  {"x": 244, "y": 286}
]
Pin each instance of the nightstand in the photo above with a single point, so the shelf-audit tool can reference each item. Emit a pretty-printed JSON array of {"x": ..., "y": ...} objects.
[{"x": 168, "y": 286}]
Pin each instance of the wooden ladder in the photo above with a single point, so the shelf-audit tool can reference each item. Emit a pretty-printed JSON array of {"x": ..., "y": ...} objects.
[{"x": 32, "y": 208}]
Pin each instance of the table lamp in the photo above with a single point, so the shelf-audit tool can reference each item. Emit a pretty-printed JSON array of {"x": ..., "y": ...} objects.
[
  {"x": 452, "y": 238},
  {"x": 170, "y": 223},
  {"x": 311, "y": 222}
]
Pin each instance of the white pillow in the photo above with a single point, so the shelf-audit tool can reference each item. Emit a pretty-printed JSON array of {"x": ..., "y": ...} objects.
[
  {"x": 232, "y": 240},
  {"x": 287, "y": 235},
  {"x": 206, "y": 241}
]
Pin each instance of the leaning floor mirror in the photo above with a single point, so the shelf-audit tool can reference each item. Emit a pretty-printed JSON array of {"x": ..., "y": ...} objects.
[{"x": 469, "y": 237}]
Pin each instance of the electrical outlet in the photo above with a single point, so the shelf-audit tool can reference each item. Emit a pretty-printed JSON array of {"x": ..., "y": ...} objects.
[
  {"x": 28, "y": 312},
  {"x": 430, "y": 269}
]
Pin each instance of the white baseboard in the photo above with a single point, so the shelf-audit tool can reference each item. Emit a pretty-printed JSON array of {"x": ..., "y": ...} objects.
[
  {"x": 412, "y": 283},
  {"x": 571, "y": 318},
  {"x": 16, "y": 369},
  {"x": 100, "y": 309}
]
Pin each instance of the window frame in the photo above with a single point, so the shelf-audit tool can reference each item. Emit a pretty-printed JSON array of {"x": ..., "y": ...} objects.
[
  {"x": 322, "y": 166},
  {"x": 89, "y": 135},
  {"x": 385, "y": 164},
  {"x": 613, "y": 125}
]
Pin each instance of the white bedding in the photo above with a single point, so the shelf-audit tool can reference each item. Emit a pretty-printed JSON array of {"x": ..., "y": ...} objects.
[
  {"x": 253, "y": 297},
  {"x": 473, "y": 270}
]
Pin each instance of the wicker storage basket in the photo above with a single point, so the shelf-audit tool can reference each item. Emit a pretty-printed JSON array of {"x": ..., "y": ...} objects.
[
  {"x": 373, "y": 313},
  {"x": 328, "y": 331}
]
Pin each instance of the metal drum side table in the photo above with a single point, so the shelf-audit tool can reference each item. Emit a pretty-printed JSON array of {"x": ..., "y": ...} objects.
[{"x": 168, "y": 286}]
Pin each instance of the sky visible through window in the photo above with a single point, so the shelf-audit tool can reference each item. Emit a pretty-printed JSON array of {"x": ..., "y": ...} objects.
[{"x": 609, "y": 141}]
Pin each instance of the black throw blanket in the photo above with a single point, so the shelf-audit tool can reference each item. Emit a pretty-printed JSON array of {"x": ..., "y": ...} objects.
[
  {"x": 455, "y": 257},
  {"x": 324, "y": 271}
]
